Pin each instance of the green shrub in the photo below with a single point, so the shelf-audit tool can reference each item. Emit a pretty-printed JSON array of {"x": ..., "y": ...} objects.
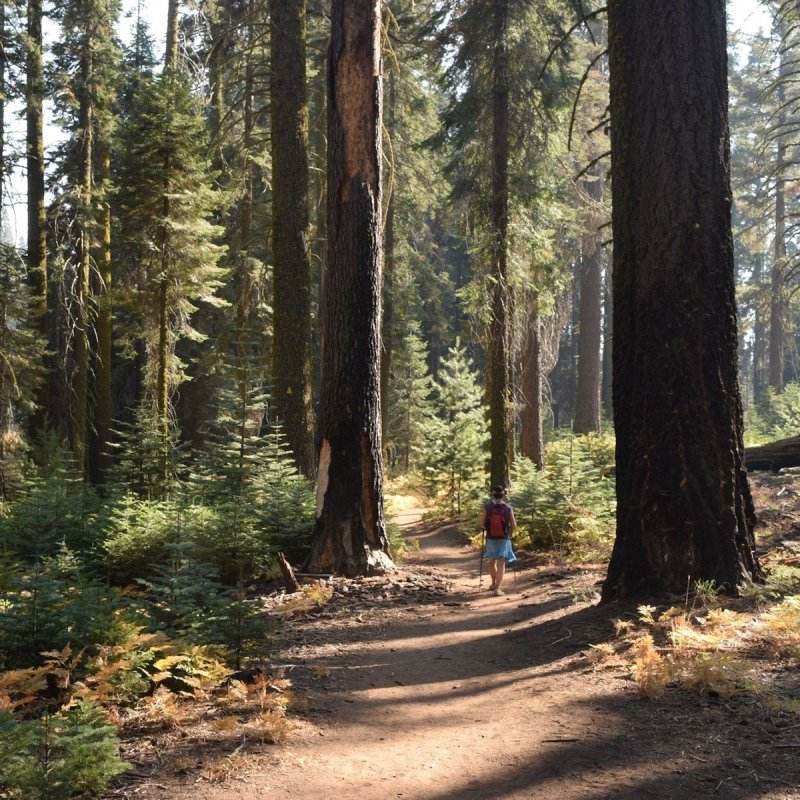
[
  {"x": 777, "y": 417},
  {"x": 569, "y": 507},
  {"x": 74, "y": 753}
]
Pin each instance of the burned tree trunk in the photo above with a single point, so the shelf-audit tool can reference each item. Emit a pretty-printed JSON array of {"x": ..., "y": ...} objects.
[
  {"x": 350, "y": 536},
  {"x": 684, "y": 507}
]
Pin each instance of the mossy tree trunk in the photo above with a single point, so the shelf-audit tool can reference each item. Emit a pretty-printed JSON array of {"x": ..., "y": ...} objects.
[
  {"x": 37, "y": 217},
  {"x": 292, "y": 331},
  {"x": 684, "y": 509},
  {"x": 350, "y": 536},
  {"x": 499, "y": 357}
]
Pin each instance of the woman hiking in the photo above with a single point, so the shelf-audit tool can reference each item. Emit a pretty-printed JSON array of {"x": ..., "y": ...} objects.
[{"x": 498, "y": 522}]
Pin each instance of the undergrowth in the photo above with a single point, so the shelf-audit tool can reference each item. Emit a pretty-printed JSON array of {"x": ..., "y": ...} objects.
[
  {"x": 567, "y": 509},
  {"x": 716, "y": 646}
]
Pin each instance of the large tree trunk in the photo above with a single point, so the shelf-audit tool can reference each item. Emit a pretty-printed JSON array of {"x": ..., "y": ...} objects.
[
  {"x": 292, "y": 341},
  {"x": 350, "y": 534},
  {"x": 531, "y": 434},
  {"x": 499, "y": 360},
  {"x": 587, "y": 402},
  {"x": 684, "y": 510},
  {"x": 37, "y": 217}
]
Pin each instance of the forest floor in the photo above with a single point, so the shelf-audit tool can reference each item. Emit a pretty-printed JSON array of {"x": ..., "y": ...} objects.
[{"x": 428, "y": 687}]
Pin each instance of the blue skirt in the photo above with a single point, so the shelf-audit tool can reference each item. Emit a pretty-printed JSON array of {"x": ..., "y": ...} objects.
[{"x": 499, "y": 548}]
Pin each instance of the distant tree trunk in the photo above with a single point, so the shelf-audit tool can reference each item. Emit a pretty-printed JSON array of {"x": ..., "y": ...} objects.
[
  {"x": 292, "y": 339},
  {"x": 388, "y": 269},
  {"x": 531, "y": 436},
  {"x": 81, "y": 313},
  {"x": 499, "y": 365},
  {"x": 608, "y": 339},
  {"x": 350, "y": 535},
  {"x": 760, "y": 381},
  {"x": 684, "y": 510},
  {"x": 100, "y": 454},
  {"x": 777, "y": 309},
  {"x": 37, "y": 217},
  {"x": 587, "y": 403}
]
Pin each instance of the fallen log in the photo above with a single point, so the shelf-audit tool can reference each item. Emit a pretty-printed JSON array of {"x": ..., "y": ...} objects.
[{"x": 773, "y": 455}]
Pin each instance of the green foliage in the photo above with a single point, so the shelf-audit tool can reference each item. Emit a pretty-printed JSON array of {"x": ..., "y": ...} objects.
[
  {"x": 167, "y": 244},
  {"x": 777, "y": 417},
  {"x": 51, "y": 605},
  {"x": 53, "y": 509},
  {"x": 568, "y": 508},
  {"x": 410, "y": 402},
  {"x": 74, "y": 753},
  {"x": 453, "y": 464}
]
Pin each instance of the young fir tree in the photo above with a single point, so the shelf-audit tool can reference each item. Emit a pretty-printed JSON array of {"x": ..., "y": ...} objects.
[
  {"x": 167, "y": 242},
  {"x": 456, "y": 437},
  {"x": 410, "y": 402}
]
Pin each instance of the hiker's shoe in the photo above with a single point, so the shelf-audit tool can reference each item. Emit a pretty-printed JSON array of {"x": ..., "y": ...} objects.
[
  {"x": 492, "y": 588},
  {"x": 498, "y": 592}
]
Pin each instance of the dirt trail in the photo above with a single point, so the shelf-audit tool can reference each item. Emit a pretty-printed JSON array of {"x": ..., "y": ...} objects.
[{"x": 474, "y": 696}]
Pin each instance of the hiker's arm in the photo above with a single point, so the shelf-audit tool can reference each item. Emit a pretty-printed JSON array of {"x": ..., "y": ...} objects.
[{"x": 512, "y": 520}]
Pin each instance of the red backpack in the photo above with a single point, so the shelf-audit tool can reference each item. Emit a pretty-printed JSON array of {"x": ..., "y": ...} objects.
[{"x": 497, "y": 520}]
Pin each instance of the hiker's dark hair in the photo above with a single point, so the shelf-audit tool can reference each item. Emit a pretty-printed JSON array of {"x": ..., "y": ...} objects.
[{"x": 498, "y": 491}]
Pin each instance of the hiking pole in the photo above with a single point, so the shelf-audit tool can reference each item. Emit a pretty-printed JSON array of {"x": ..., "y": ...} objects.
[{"x": 480, "y": 576}]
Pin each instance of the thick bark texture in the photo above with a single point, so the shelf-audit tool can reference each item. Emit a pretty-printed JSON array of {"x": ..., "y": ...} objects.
[
  {"x": 587, "y": 402},
  {"x": 350, "y": 536},
  {"x": 684, "y": 507},
  {"x": 292, "y": 343},
  {"x": 499, "y": 360}
]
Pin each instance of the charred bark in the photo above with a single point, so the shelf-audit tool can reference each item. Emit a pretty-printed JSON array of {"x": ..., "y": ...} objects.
[
  {"x": 684, "y": 510},
  {"x": 350, "y": 536}
]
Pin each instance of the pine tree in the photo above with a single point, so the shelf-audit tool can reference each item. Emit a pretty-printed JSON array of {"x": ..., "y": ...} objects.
[
  {"x": 167, "y": 241},
  {"x": 410, "y": 402},
  {"x": 456, "y": 438}
]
